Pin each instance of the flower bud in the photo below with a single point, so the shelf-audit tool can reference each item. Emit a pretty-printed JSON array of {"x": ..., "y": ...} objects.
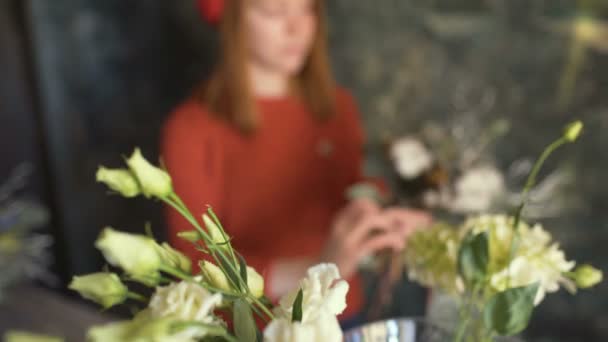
[
  {"x": 136, "y": 254},
  {"x": 119, "y": 180},
  {"x": 573, "y": 131},
  {"x": 154, "y": 182},
  {"x": 587, "y": 276},
  {"x": 105, "y": 289}
]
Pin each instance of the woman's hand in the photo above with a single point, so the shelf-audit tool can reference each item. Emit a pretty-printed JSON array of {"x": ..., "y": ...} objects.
[
  {"x": 363, "y": 229},
  {"x": 359, "y": 230}
]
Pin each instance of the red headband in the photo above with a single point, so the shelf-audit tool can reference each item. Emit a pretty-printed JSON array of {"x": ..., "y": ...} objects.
[{"x": 211, "y": 10}]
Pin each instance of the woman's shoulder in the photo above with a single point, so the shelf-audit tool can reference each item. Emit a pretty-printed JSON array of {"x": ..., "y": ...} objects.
[
  {"x": 344, "y": 96},
  {"x": 192, "y": 115}
]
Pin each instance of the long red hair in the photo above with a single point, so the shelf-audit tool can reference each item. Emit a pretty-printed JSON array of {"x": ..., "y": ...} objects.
[{"x": 228, "y": 93}]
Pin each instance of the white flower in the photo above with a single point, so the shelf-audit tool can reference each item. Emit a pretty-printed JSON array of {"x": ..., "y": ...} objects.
[
  {"x": 185, "y": 301},
  {"x": 171, "y": 257},
  {"x": 324, "y": 297},
  {"x": 119, "y": 180},
  {"x": 214, "y": 275},
  {"x": 283, "y": 330},
  {"x": 324, "y": 328},
  {"x": 146, "y": 328},
  {"x": 477, "y": 189},
  {"x": 431, "y": 257},
  {"x": 214, "y": 231},
  {"x": 546, "y": 269},
  {"x": 154, "y": 182},
  {"x": 536, "y": 260},
  {"x": 135, "y": 254},
  {"x": 323, "y": 292},
  {"x": 411, "y": 158},
  {"x": 106, "y": 289}
]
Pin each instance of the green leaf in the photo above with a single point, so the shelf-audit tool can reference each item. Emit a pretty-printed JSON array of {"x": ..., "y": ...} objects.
[
  {"x": 244, "y": 324},
  {"x": 473, "y": 258},
  {"x": 509, "y": 312},
  {"x": 232, "y": 276},
  {"x": 243, "y": 268},
  {"x": 296, "y": 313}
]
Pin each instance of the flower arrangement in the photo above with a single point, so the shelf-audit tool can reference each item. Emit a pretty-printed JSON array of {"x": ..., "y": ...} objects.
[
  {"x": 441, "y": 168},
  {"x": 188, "y": 299},
  {"x": 498, "y": 266},
  {"x": 449, "y": 167}
]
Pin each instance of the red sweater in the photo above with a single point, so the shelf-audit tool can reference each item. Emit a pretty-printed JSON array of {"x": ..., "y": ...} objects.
[{"x": 276, "y": 192}]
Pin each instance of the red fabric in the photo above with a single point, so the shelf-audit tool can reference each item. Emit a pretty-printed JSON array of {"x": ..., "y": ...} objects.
[
  {"x": 275, "y": 192},
  {"x": 211, "y": 10}
]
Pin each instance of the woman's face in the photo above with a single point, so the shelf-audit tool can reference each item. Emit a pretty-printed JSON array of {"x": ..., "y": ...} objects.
[{"x": 279, "y": 33}]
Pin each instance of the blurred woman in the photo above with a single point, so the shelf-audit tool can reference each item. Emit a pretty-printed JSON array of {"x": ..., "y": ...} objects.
[{"x": 271, "y": 143}]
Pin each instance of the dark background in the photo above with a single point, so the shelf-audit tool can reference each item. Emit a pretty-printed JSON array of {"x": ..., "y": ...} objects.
[{"x": 82, "y": 82}]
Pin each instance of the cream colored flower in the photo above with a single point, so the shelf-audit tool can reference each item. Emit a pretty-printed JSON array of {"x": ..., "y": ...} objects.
[
  {"x": 255, "y": 282},
  {"x": 411, "y": 157},
  {"x": 185, "y": 301},
  {"x": 106, "y": 289},
  {"x": 135, "y": 254},
  {"x": 546, "y": 270},
  {"x": 140, "y": 330},
  {"x": 119, "y": 180},
  {"x": 431, "y": 258},
  {"x": 171, "y": 257},
  {"x": 154, "y": 182},
  {"x": 283, "y": 330},
  {"x": 323, "y": 292},
  {"x": 112, "y": 332},
  {"x": 477, "y": 189},
  {"x": 536, "y": 260},
  {"x": 214, "y": 231},
  {"x": 214, "y": 275},
  {"x": 324, "y": 297},
  {"x": 324, "y": 328}
]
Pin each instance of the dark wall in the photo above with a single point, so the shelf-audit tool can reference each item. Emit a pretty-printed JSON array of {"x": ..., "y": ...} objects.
[
  {"x": 19, "y": 134},
  {"x": 108, "y": 72}
]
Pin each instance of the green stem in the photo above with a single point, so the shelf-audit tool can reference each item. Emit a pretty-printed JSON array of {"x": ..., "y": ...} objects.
[
  {"x": 224, "y": 235},
  {"x": 530, "y": 182},
  {"x": 262, "y": 306},
  {"x": 175, "y": 272},
  {"x": 216, "y": 252},
  {"x": 212, "y": 330},
  {"x": 137, "y": 297},
  {"x": 178, "y": 205}
]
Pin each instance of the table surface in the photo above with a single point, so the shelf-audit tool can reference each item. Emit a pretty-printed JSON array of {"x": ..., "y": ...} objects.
[{"x": 42, "y": 311}]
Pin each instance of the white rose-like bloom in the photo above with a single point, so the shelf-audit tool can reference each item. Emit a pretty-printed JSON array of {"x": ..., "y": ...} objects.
[
  {"x": 185, "y": 301},
  {"x": 323, "y": 297},
  {"x": 477, "y": 189},
  {"x": 324, "y": 328},
  {"x": 323, "y": 291},
  {"x": 283, "y": 330},
  {"x": 547, "y": 269},
  {"x": 411, "y": 157},
  {"x": 537, "y": 259}
]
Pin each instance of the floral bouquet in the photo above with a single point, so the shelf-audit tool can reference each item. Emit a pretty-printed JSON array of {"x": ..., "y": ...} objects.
[
  {"x": 190, "y": 301},
  {"x": 450, "y": 167},
  {"x": 23, "y": 253},
  {"x": 498, "y": 266}
]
